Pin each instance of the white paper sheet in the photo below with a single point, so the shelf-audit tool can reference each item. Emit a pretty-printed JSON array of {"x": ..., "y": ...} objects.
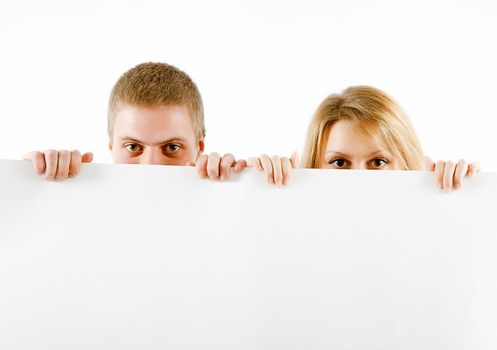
[{"x": 151, "y": 257}]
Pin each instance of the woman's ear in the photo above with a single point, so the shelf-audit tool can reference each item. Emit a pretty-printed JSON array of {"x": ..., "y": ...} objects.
[{"x": 201, "y": 146}]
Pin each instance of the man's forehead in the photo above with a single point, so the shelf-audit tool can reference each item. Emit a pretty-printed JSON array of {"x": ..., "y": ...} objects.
[
  {"x": 158, "y": 112},
  {"x": 149, "y": 141},
  {"x": 153, "y": 124}
]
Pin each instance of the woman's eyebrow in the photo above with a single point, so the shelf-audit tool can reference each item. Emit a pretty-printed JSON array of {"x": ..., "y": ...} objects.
[
  {"x": 337, "y": 153},
  {"x": 376, "y": 153}
]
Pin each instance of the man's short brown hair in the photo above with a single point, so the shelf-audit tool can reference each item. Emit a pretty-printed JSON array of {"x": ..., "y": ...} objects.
[{"x": 157, "y": 84}]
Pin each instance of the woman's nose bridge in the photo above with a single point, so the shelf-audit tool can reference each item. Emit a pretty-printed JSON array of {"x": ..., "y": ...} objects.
[{"x": 360, "y": 165}]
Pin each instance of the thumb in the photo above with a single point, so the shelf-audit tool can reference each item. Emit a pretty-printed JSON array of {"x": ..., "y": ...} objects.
[
  {"x": 87, "y": 157},
  {"x": 294, "y": 159}
]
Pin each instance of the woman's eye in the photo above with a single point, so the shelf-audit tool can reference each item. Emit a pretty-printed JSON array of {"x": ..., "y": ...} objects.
[
  {"x": 338, "y": 163},
  {"x": 132, "y": 147},
  {"x": 172, "y": 148},
  {"x": 379, "y": 163}
]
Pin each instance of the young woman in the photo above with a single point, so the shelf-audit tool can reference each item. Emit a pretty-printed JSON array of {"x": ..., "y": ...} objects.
[{"x": 363, "y": 128}]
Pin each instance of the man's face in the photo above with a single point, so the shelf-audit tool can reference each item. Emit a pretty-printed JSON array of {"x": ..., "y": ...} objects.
[{"x": 154, "y": 135}]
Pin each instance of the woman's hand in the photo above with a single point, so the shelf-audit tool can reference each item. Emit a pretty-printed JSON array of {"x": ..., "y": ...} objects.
[
  {"x": 278, "y": 170},
  {"x": 449, "y": 175}
]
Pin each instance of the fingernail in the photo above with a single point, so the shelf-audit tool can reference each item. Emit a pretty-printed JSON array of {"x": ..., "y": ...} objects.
[{"x": 223, "y": 177}]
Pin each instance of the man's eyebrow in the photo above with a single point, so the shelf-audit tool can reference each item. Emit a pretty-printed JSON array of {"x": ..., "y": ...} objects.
[{"x": 172, "y": 139}]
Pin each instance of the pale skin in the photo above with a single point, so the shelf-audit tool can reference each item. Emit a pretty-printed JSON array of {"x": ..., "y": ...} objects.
[
  {"x": 160, "y": 135},
  {"x": 346, "y": 148}
]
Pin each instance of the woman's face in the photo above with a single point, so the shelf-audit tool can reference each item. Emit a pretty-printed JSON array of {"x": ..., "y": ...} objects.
[{"x": 347, "y": 148}]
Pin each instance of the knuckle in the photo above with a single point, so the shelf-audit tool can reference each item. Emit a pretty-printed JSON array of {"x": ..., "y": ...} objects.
[
  {"x": 50, "y": 173},
  {"x": 211, "y": 171},
  {"x": 50, "y": 153},
  {"x": 64, "y": 154},
  {"x": 38, "y": 157},
  {"x": 75, "y": 155}
]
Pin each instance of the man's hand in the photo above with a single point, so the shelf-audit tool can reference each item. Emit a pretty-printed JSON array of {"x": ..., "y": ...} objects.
[
  {"x": 58, "y": 165},
  {"x": 215, "y": 167}
]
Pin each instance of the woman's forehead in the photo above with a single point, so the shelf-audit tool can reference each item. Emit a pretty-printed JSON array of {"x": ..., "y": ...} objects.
[{"x": 351, "y": 137}]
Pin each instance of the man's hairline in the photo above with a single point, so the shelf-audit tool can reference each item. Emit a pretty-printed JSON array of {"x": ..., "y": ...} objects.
[{"x": 120, "y": 105}]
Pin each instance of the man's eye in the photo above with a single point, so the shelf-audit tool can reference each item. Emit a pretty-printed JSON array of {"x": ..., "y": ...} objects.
[
  {"x": 132, "y": 147},
  {"x": 338, "y": 163},
  {"x": 172, "y": 148},
  {"x": 379, "y": 162}
]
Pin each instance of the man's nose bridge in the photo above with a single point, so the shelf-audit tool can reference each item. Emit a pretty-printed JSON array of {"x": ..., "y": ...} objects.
[{"x": 152, "y": 156}]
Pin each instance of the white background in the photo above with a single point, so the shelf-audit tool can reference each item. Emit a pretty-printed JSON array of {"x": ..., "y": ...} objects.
[{"x": 262, "y": 68}]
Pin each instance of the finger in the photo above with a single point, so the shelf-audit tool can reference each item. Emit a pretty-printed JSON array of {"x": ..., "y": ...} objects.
[
  {"x": 294, "y": 159},
  {"x": 473, "y": 169},
  {"x": 267, "y": 167},
  {"x": 277, "y": 172},
  {"x": 213, "y": 162},
  {"x": 460, "y": 172},
  {"x": 240, "y": 165},
  {"x": 51, "y": 159},
  {"x": 63, "y": 165},
  {"x": 450, "y": 167},
  {"x": 255, "y": 163},
  {"x": 75, "y": 163},
  {"x": 87, "y": 157},
  {"x": 429, "y": 164},
  {"x": 439, "y": 173},
  {"x": 202, "y": 166},
  {"x": 286, "y": 167},
  {"x": 227, "y": 162},
  {"x": 38, "y": 160}
]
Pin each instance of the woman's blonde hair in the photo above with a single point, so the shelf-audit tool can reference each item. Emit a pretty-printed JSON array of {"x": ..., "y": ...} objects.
[{"x": 375, "y": 114}]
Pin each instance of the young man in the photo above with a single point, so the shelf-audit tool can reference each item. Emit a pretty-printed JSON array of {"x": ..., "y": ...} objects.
[{"x": 155, "y": 116}]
